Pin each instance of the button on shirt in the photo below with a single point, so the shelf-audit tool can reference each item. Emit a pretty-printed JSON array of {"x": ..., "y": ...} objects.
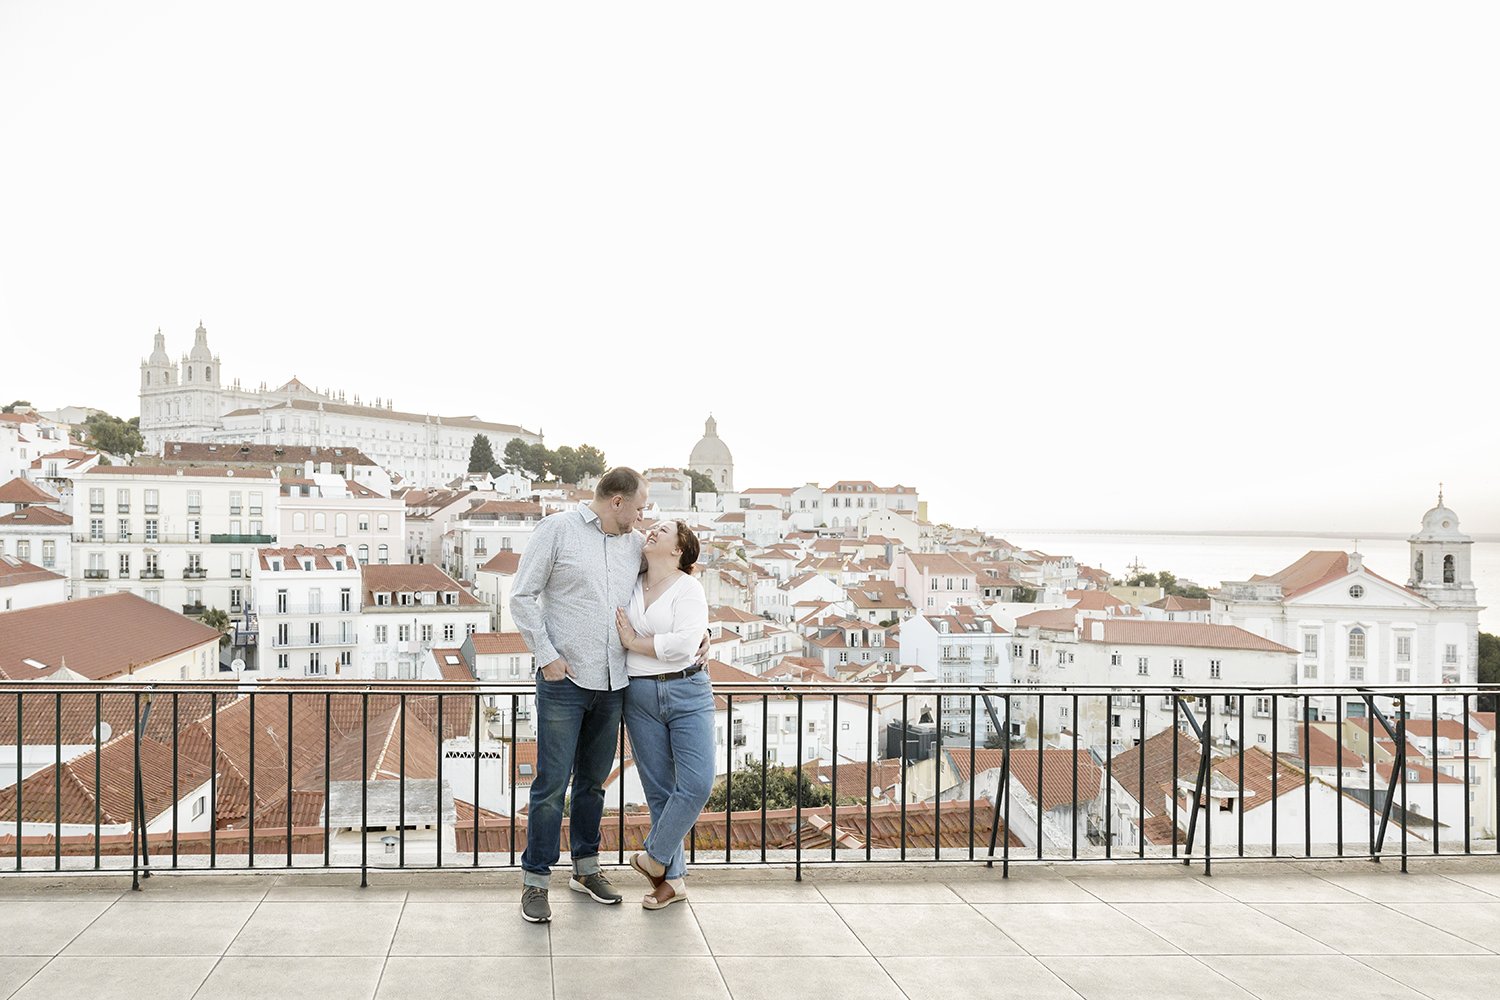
[{"x": 572, "y": 577}]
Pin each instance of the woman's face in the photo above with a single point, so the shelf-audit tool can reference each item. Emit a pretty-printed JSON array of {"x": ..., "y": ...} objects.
[{"x": 662, "y": 539}]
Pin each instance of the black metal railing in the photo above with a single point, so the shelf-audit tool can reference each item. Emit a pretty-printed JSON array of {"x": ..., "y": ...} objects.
[{"x": 361, "y": 775}]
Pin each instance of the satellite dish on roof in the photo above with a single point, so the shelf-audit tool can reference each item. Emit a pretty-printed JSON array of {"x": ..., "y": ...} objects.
[
  {"x": 105, "y": 732},
  {"x": 237, "y": 664}
]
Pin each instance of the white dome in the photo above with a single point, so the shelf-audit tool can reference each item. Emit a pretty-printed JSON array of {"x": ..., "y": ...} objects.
[
  {"x": 711, "y": 450},
  {"x": 1440, "y": 524}
]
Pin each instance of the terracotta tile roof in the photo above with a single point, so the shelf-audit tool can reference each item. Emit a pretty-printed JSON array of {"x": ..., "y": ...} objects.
[
  {"x": 451, "y": 664},
  {"x": 1324, "y": 751},
  {"x": 504, "y": 563},
  {"x": 1059, "y": 620},
  {"x": 1257, "y": 776},
  {"x": 1157, "y": 751},
  {"x": 292, "y": 556},
  {"x": 230, "y": 453},
  {"x": 820, "y": 827},
  {"x": 501, "y": 643},
  {"x": 15, "y": 572},
  {"x": 1094, "y": 600},
  {"x": 380, "y": 412},
  {"x": 73, "y": 456},
  {"x": 413, "y": 578},
  {"x": 216, "y": 472},
  {"x": 1175, "y": 603},
  {"x": 1418, "y": 774},
  {"x": 724, "y": 613},
  {"x": 874, "y": 594},
  {"x": 941, "y": 563},
  {"x": 37, "y": 515},
  {"x": 507, "y": 510},
  {"x": 1195, "y": 634},
  {"x": 99, "y": 637},
  {"x": 1057, "y": 775},
  {"x": 1311, "y": 571},
  {"x": 19, "y": 490},
  {"x": 113, "y": 796}
]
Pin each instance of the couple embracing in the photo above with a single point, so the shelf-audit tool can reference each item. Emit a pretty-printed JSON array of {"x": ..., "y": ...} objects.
[{"x": 617, "y": 625}]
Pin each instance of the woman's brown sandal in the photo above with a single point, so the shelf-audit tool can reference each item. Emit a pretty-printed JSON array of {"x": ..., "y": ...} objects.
[
  {"x": 662, "y": 896},
  {"x": 639, "y": 865}
]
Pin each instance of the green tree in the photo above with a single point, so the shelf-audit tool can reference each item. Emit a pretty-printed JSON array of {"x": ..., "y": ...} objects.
[
  {"x": 217, "y": 618},
  {"x": 116, "y": 436},
  {"x": 12, "y": 407},
  {"x": 1489, "y": 668},
  {"x": 591, "y": 461},
  {"x": 532, "y": 459},
  {"x": 481, "y": 454},
  {"x": 1168, "y": 582},
  {"x": 1025, "y": 595},
  {"x": 564, "y": 464},
  {"x": 782, "y": 789},
  {"x": 702, "y": 483}
]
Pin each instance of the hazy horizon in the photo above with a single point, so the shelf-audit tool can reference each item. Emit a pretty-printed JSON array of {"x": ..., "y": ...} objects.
[{"x": 1163, "y": 265}]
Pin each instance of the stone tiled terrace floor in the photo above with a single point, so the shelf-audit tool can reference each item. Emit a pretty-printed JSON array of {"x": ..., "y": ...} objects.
[{"x": 1287, "y": 931}]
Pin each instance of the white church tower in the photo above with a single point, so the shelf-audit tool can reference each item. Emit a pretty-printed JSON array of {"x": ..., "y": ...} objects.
[
  {"x": 180, "y": 402},
  {"x": 1442, "y": 559}
]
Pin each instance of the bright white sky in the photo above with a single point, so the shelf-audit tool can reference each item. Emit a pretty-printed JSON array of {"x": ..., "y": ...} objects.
[{"x": 1134, "y": 265}]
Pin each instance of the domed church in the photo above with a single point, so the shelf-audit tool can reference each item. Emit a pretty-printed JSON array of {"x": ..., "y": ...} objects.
[{"x": 712, "y": 458}]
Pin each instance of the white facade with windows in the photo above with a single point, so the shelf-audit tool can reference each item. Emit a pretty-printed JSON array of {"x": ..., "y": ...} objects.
[
  {"x": 960, "y": 648},
  {"x": 307, "y": 609},
  {"x": 407, "y": 610},
  {"x": 181, "y": 538},
  {"x": 189, "y": 401},
  {"x": 1352, "y": 626},
  {"x": 330, "y": 510}
]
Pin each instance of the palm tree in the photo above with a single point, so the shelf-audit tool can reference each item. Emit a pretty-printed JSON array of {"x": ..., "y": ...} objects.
[{"x": 217, "y": 618}]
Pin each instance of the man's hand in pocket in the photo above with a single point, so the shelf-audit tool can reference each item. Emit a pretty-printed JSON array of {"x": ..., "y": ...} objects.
[{"x": 557, "y": 670}]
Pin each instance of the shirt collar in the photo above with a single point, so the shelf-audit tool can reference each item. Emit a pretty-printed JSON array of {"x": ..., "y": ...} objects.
[{"x": 591, "y": 518}]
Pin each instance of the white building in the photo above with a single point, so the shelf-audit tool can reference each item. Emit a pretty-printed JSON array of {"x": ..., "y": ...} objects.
[
  {"x": 307, "y": 609},
  {"x": 485, "y": 529},
  {"x": 492, "y": 583},
  {"x": 190, "y": 401},
  {"x": 181, "y": 538},
  {"x": 327, "y": 509},
  {"x": 24, "y": 437},
  {"x": 34, "y": 529},
  {"x": 961, "y": 647},
  {"x": 407, "y": 610},
  {"x": 1355, "y": 627},
  {"x": 23, "y": 585}
]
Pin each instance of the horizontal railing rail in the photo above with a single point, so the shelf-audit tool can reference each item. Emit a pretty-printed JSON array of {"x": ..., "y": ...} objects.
[{"x": 354, "y": 775}]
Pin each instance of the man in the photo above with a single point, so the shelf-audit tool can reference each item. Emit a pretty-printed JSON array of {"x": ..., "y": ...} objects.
[{"x": 579, "y": 566}]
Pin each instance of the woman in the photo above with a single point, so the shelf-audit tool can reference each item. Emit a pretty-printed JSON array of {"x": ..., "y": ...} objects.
[{"x": 669, "y": 705}]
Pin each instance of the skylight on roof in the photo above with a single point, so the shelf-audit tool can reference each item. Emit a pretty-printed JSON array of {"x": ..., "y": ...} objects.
[
  {"x": 34, "y": 663},
  {"x": 450, "y": 659}
]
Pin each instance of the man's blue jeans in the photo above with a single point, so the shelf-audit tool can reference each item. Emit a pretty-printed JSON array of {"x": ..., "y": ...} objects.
[
  {"x": 671, "y": 725},
  {"x": 576, "y": 734}
]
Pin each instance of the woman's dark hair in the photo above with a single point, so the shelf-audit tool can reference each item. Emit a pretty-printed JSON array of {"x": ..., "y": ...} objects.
[{"x": 687, "y": 541}]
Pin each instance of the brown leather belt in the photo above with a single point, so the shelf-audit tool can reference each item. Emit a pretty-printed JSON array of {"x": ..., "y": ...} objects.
[{"x": 676, "y": 676}]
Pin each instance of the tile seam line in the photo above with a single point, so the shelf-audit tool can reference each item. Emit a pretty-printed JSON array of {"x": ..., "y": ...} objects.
[
  {"x": 229, "y": 944},
  {"x": 712, "y": 956}
]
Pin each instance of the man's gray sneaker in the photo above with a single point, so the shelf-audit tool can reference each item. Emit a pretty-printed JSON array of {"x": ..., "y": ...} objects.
[
  {"x": 596, "y": 885},
  {"x": 534, "y": 905}
]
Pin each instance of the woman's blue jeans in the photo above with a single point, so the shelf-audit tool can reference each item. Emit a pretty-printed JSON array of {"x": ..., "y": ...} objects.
[{"x": 671, "y": 726}]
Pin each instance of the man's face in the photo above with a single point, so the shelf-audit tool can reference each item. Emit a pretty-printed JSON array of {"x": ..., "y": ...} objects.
[{"x": 625, "y": 512}]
